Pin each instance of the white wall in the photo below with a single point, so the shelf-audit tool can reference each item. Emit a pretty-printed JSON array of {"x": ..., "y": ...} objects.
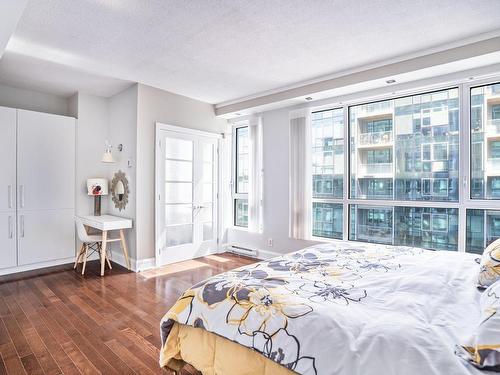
[
  {"x": 156, "y": 105},
  {"x": 275, "y": 126},
  {"x": 33, "y": 101},
  {"x": 123, "y": 129},
  {"x": 91, "y": 134}
]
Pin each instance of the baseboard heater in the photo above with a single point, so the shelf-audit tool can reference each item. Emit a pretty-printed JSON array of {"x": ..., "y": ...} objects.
[{"x": 242, "y": 251}]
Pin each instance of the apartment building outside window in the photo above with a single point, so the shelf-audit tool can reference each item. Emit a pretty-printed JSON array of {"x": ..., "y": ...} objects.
[
  {"x": 241, "y": 175},
  {"x": 327, "y": 128},
  {"x": 413, "y": 156}
]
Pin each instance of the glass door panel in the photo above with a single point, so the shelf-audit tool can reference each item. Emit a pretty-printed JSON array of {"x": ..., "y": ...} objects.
[
  {"x": 206, "y": 212},
  {"x": 179, "y": 191}
]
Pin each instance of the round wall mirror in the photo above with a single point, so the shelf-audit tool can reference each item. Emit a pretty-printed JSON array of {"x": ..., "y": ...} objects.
[{"x": 119, "y": 190}]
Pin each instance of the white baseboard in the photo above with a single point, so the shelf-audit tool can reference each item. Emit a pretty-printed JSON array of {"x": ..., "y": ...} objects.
[{"x": 135, "y": 265}]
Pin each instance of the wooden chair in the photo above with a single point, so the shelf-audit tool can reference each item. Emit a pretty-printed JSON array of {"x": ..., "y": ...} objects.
[{"x": 89, "y": 242}]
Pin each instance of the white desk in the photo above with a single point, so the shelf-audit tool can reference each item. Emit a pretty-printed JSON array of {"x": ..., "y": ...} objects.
[{"x": 107, "y": 223}]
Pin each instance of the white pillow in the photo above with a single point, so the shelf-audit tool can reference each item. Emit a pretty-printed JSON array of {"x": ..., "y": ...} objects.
[
  {"x": 489, "y": 270},
  {"x": 483, "y": 350}
]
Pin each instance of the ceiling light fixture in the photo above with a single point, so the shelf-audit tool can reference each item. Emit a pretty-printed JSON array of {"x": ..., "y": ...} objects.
[
  {"x": 238, "y": 114},
  {"x": 309, "y": 98},
  {"x": 389, "y": 81}
]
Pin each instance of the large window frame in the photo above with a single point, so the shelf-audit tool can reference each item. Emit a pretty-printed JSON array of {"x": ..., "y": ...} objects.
[{"x": 465, "y": 201}]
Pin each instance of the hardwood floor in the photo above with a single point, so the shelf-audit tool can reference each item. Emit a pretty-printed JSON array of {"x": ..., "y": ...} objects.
[{"x": 56, "y": 321}]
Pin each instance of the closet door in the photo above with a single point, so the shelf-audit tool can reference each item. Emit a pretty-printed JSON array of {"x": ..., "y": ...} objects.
[
  {"x": 8, "y": 254},
  {"x": 45, "y": 235},
  {"x": 45, "y": 187},
  {"x": 7, "y": 159},
  {"x": 45, "y": 161}
]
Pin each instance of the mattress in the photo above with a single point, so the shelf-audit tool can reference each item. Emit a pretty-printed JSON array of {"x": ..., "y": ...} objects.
[{"x": 342, "y": 308}]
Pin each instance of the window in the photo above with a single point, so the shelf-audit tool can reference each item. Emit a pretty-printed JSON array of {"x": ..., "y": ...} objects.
[
  {"x": 495, "y": 112},
  {"x": 241, "y": 171},
  {"x": 404, "y": 163},
  {"x": 430, "y": 228},
  {"x": 327, "y": 220},
  {"x": 421, "y": 145},
  {"x": 405, "y": 149},
  {"x": 483, "y": 227},
  {"x": 327, "y": 128},
  {"x": 485, "y": 143}
]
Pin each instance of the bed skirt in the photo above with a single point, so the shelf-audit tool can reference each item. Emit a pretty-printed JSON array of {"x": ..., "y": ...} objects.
[{"x": 212, "y": 354}]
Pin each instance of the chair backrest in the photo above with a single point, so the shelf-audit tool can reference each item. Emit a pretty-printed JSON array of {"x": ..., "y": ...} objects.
[{"x": 80, "y": 229}]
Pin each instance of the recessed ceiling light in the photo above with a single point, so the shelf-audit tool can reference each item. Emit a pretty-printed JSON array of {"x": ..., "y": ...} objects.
[
  {"x": 309, "y": 98},
  {"x": 238, "y": 114},
  {"x": 471, "y": 78},
  {"x": 389, "y": 81}
]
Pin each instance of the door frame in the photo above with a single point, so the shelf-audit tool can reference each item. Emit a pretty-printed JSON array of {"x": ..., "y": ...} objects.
[{"x": 159, "y": 128}]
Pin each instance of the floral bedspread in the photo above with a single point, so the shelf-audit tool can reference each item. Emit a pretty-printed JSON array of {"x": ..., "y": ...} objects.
[{"x": 343, "y": 308}]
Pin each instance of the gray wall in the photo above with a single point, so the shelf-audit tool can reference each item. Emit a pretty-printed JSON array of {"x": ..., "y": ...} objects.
[
  {"x": 123, "y": 129},
  {"x": 33, "y": 101},
  {"x": 156, "y": 105}
]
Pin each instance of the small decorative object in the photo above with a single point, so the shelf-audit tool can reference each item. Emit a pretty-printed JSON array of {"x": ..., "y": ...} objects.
[
  {"x": 119, "y": 190},
  {"x": 97, "y": 187}
]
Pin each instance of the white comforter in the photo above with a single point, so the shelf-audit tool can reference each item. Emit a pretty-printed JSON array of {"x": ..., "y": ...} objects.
[{"x": 345, "y": 309}]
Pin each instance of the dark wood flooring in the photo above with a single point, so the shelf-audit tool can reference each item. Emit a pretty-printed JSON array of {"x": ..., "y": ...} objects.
[{"x": 56, "y": 321}]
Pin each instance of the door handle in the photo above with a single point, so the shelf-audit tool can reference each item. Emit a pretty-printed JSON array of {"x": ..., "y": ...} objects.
[
  {"x": 10, "y": 196},
  {"x": 21, "y": 194},
  {"x": 11, "y": 233},
  {"x": 22, "y": 226}
]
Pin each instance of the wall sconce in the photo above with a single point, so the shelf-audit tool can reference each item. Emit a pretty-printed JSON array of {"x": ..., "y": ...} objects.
[{"x": 107, "y": 157}]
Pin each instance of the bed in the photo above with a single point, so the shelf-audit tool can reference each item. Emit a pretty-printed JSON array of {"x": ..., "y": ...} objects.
[{"x": 342, "y": 308}]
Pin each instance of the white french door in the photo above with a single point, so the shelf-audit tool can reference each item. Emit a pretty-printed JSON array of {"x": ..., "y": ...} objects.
[{"x": 186, "y": 194}]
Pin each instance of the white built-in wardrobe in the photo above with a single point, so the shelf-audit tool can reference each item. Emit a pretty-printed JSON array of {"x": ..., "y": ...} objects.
[{"x": 37, "y": 189}]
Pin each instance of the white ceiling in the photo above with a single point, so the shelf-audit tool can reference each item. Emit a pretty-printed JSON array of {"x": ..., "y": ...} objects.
[{"x": 221, "y": 50}]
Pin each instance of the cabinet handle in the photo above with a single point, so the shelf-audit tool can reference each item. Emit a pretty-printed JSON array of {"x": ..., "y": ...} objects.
[
  {"x": 22, "y": 226},
  {"x": 21, "y": 193},
  {"x": 10, "y": 227},
  {"x": 10, "y": 196}
]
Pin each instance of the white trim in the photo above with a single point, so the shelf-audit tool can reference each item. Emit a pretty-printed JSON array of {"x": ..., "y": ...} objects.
[{"x": 35, "y": 266}]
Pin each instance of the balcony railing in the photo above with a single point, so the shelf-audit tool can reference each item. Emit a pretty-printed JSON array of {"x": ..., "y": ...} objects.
[
  {"x": 372, "y": 233},
  {"x": 375, "y": 138},
  {"x": 493, "y": 127},
  {"x": 375, "y": 168},
  {"x": 493, "y": 164}
]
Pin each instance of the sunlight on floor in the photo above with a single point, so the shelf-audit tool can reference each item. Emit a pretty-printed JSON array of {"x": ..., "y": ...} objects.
[{"x": 173, "y": 268}]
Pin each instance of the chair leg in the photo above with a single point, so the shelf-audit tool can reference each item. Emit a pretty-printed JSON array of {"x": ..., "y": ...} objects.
[
  {"x": 85, "y": 258},
  {"x": 78, "y": 256},
  {"x": 109, "y": 263}
]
